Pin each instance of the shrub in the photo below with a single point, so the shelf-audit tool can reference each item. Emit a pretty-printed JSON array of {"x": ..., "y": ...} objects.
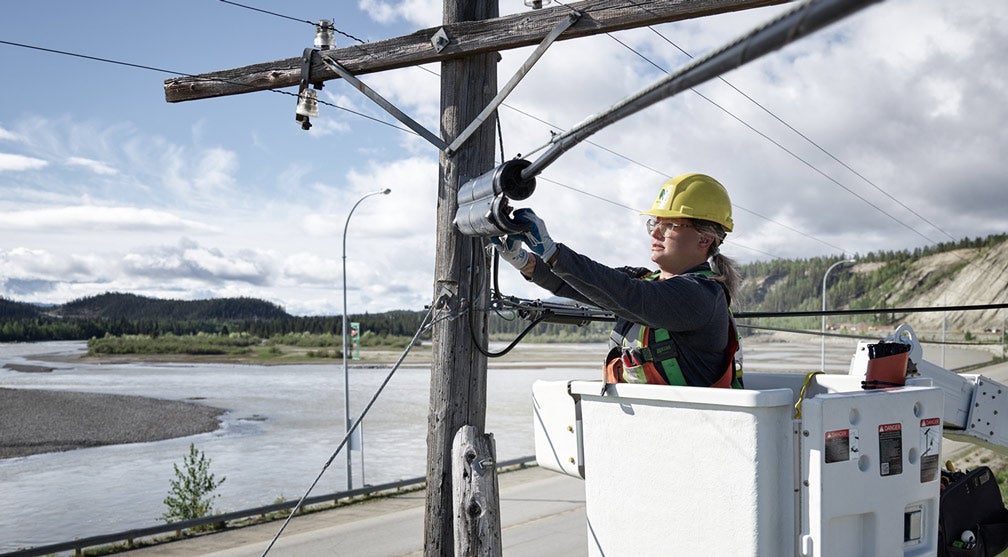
[{"x": 191, "y": 490}]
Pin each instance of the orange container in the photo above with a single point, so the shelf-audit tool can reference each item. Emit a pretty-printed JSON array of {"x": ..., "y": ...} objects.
[{"x": 886, "y": 371}]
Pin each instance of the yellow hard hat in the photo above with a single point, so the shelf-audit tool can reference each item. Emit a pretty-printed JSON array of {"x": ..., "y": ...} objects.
[{"x": 693, "y": 196}]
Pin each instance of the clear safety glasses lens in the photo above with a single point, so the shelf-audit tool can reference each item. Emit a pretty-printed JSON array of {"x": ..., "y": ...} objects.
[{"x": 666, "y": 228}]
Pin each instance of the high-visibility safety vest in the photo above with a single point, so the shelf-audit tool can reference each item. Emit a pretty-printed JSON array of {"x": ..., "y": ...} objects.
[{"x": 641, "y": 354}]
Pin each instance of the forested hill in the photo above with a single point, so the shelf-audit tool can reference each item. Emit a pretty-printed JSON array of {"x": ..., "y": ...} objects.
[
  {"x": 10, "y": 309},
  {"x": 118, "y": 314},
  {"x": 133, "y": 307},
  {"x": 130, "y": 307},
  {"x": 970, "y": 272}
]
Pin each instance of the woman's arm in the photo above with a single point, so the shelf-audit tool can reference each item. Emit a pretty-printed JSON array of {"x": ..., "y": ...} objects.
[{"x": 683, "y": 303}]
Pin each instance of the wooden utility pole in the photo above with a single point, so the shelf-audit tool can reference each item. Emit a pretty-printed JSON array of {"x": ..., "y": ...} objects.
[
  {"x": 458, "y": 375},
  {"x": 468, "y": 81}
]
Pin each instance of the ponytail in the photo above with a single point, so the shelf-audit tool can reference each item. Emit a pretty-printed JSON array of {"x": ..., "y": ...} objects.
[
  {"x": 722, "y": 265},
  {"x": 725, "y": 273}
]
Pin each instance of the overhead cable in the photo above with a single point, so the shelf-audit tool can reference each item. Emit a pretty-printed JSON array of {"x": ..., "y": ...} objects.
[
  {"x": 622, "y": 206},
  {"x": 766, "y": 137},
  {"x": 378, "y": 120},
  {"x": 667, "y": 176},
  {"x": 183, "y": 74},
  {"x": 809, "y": 140},
  {"x": 424, "y": 325},
  {"x": 841, "y": 335},
  {"x": 308, "y": 21},
  {"x": 817, "y": 313},
  {"x": 791, "y": 26},
  {"x": 659, "y": 172},
  {"x": 800, "y": 134},
  {"x": 96, "y": 58}
]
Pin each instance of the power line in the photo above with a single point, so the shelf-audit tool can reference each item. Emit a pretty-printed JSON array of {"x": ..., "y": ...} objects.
[
  {"x": 782, "y": 147},
  {"x": 873, "y": 311},
  {"x": 583, "y": 192},
  {"x": 96, "y": 58},
  {"x": 171, "y": 72},
  {"x": 854, "y": 336},
  {"x": 800, "y": 134},
  {"x": 308, "y": 21},
  {"x": 189, "y": 75},
  {"x": 627, "y": 158},
  {"x": 810, "y": 165},
  {"x": 809, "y": 140},
  {"x": 622, "y": 206},
  {"x": 668, "y": 176}
]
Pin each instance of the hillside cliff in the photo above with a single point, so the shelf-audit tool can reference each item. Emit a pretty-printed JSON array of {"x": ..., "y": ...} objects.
[
  {"x": 973, "y": 276},
  {"x": 968, "y": 273}
]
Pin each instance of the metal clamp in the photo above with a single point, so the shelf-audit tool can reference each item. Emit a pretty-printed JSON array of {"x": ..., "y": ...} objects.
[
  {"x": 483, "y": 208},
  {"x": 303, "y": 113}
]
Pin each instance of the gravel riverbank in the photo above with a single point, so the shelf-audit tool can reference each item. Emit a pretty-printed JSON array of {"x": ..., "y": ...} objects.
[{"x": 38, "y": 421}]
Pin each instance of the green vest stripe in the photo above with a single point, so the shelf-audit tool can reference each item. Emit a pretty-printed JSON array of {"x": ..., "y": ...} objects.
[{"x": 662, "y": 344}]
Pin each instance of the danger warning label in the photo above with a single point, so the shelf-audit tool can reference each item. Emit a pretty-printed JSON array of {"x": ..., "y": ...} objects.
[
  {"x": 890, "y": 438},
  {"x": 838, "y": 446},
  {"x": 930, "y": 447}
]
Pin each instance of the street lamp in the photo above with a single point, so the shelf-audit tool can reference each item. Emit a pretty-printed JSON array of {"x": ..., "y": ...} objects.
[
  {"x": 822, "y": 338},
  {"x": 346, "y": 371}
]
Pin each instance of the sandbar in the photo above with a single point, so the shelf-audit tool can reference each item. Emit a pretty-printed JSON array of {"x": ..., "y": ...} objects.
[{"x": 34, "y": 421}]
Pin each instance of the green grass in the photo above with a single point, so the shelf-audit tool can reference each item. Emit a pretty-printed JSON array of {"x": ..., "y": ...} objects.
[
  {"x": 290, "y": 347},
  {"x": 198, "y": 344}
]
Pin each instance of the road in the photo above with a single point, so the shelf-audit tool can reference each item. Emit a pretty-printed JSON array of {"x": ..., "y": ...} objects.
[{"x": 542, "y": 513}]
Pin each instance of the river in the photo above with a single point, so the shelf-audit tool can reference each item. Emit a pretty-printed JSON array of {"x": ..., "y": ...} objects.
[{"x": 281, "y": 426}]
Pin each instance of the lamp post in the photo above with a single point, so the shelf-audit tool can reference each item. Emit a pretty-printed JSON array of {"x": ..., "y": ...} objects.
[
  {"x": 822, "y": 337},
  {"x": 346, "y": 371}
]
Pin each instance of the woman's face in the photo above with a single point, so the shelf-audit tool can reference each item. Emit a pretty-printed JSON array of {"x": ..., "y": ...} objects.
[{"x": 676, "y": 246}]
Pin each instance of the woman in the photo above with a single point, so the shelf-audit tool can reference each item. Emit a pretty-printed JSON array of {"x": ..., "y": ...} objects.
[{"x": 673, "y": 325}]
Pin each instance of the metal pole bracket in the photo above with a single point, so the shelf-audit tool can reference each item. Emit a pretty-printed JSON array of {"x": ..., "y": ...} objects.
[
  {"x": 382, "y": 102},
  {"x": 306, "y": 63},
  {"x": 560, "y": 27}
]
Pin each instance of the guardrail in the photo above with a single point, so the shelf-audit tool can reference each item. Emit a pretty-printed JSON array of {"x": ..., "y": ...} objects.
[{"x": 130, "y": 536}]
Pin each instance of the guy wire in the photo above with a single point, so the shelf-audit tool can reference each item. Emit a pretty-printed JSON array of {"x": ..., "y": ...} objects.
[{"x": 423, "y": 327}]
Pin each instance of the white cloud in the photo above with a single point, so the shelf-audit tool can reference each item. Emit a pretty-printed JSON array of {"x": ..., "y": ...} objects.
[
  {"x": 7, "y": 135},
  {"x": 215, "y": 169},
  {"x": 190, "y": 261},
  {"x": 97, "y": 167},
  {"x": 412, "y": 90},
  {"x": 406, "y": 211},
  {"x": 66, "y": 219},
  {"x": 20, "y": 162},
  {"x": 186, "y": 175},
  {"x": 425, "y": 13},
  {"x": 309, "y": 268},
  {"x": 45, "y": 265}
]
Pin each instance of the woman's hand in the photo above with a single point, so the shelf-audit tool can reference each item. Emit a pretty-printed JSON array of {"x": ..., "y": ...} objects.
[
  {"x": 536, "y": 238},
  {"x": 510, "y": 250}
]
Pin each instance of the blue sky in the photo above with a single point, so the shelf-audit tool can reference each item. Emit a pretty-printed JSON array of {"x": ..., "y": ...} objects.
[{"x": 104, "y": 186}]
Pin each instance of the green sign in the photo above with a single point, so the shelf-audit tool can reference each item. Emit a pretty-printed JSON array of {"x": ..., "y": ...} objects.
[{"x": 355, "y": 340}]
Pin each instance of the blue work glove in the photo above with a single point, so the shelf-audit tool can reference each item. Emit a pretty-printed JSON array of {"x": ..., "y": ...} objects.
[
  {"x": 510, "y": 249},
  {"x": 536, "y": 238}
]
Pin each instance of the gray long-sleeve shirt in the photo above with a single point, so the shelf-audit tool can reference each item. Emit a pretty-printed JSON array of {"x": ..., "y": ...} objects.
[{"x": 691, "y": 307}]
